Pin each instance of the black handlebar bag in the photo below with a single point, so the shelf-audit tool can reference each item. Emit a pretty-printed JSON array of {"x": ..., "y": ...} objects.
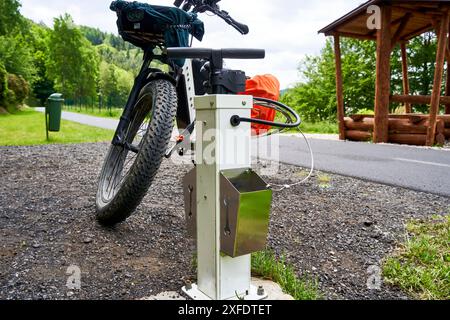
[{"x": 146, "y": 25}]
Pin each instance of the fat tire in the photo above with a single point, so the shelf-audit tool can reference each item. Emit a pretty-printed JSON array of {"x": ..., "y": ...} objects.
[{"x": 148, "y": 161}]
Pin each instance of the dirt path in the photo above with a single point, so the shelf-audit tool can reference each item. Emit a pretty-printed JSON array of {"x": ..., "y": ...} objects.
[{"x": 334, "y": 229}]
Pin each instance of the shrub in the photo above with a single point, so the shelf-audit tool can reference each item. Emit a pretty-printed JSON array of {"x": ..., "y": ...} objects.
[
  {"x": 20, "y": 87},
  {"x": 3, "y": 85}
]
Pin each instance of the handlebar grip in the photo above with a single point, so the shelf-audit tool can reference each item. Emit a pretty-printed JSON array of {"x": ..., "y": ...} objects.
[
  {"x": 242, "y": 28},
  {"x": 178, "y": 3},
  {"x": 204, "y": 53}
]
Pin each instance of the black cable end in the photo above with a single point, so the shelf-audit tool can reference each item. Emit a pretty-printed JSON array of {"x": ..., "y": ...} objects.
[{"x": 235, "y": 121}]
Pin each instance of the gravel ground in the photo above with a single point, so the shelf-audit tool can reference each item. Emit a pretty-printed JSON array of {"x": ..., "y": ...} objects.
[{"x": 332, "y": 228}]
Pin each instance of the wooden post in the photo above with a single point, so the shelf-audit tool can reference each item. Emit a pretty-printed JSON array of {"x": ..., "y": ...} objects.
[
  {"x": 339, "y": 87},
  {"x": 435, "y": 96},
  {"x": 447, "y": 86},
  {"x": 408, "y": 108},
  {"x": 383, "y": 81}
]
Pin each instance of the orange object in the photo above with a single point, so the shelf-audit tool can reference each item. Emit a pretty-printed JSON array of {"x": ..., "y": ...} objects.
[{"x": 263, "y": 86}]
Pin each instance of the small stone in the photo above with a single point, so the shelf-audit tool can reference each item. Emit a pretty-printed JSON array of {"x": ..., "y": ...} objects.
[
  {"x": 87, "y": 240},
  {"x": 70, "y": 294},
  {"x": 368, "y": 223},
  {"x": 130, "y": 252},
  {"x": 36, "y": 245},
  {"x": 376, "y": 235}
]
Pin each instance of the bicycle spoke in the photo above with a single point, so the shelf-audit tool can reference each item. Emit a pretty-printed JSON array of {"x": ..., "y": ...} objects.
[
  {"x": 118, "y": 164},
  {"x": 118, "y": 175},
  {"x": 126, "y": 170},
  {"x": 111, "y": 175},
  {"x": 123, "y": 159}
]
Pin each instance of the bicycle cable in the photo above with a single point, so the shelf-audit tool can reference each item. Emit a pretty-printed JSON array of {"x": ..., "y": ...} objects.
[
  {"x": 288, "y": 186},
  {"x": 288, "y": 113}
]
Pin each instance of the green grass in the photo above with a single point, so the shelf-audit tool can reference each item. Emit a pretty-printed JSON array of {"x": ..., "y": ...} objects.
[
  {"x": 324, "y": 180},
  {"x": 421, "y": 267},
  {"x": 103, "y": 113},
  {"x": 323, "y": 127},
  {"x": 366, "y": 112},
  {"x": 27, "y": 127},
  {"x": 267, "y": 266},
  {"x": 319, "y": 127}
]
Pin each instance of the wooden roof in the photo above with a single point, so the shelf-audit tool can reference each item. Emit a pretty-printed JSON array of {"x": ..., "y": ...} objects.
[{"x": 409, "y": 19}]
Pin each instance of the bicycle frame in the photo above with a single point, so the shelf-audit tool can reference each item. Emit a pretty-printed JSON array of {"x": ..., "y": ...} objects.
[{"x": 184, "y": 80}]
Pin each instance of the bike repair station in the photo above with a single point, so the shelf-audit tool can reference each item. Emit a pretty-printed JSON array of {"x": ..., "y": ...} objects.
[{"x": 227, "y": 204}]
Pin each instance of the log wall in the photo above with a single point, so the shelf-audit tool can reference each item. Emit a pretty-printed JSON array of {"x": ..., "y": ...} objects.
[{"x": 404, "y": 129}]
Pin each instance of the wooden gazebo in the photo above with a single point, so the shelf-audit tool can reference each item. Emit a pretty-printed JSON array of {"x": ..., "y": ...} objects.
[{"x": 396, "y": 22}]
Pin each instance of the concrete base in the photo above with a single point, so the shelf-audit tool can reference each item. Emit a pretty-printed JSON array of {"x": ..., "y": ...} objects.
[
  {"x": 272, "y": 290},
  {"x": 195, "y": 294}
]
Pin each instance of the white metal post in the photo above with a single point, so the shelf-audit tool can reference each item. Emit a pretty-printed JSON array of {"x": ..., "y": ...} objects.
[{"x": 219, "y": 146}]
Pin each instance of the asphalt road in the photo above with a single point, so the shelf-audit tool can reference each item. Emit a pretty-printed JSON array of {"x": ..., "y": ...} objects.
[
  {"x": 98, "y": 122},
  {"x": 420, "y": 169}
]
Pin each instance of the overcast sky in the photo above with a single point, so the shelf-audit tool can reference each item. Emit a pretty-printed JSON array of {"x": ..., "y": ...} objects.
[{"x": 287, "y": 29}]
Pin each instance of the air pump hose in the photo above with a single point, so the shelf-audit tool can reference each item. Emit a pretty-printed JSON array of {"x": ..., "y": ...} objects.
[
  {"x": 287, "y": 112},
  {"x": 236, "y": 120}
]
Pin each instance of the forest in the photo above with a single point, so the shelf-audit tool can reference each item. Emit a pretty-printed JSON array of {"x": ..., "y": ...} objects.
[{"x": 88, "y": 66}]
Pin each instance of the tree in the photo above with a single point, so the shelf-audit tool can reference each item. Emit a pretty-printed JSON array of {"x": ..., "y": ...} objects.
[
  {"x": 108, "y": 83},
  {"x": 42, "y": 86},
  {"x": 72, "y": 62},
  {"x": 422, "y": 59},
  {"x": 94, "y": 35},
  {"x": 89, "y": 71},
  {"x": 115, "y": 84},
  {"x": 315, "y": 98},
  {"x": 10, "y": 17},
  {"x": 16, "y": 56},
  {"x": 124, "y": 85}
]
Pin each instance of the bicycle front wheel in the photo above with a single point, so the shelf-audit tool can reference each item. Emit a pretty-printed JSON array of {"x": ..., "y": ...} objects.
[{"x": 128, "y": 172}]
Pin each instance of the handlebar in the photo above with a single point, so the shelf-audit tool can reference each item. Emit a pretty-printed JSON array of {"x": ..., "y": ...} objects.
[
  {"x": 204, "y": 53},
  {"x": 200, "y": 6}
]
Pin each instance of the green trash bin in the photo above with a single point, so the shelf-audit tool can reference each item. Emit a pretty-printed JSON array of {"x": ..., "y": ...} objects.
[{"x": 53, "y": 111}]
